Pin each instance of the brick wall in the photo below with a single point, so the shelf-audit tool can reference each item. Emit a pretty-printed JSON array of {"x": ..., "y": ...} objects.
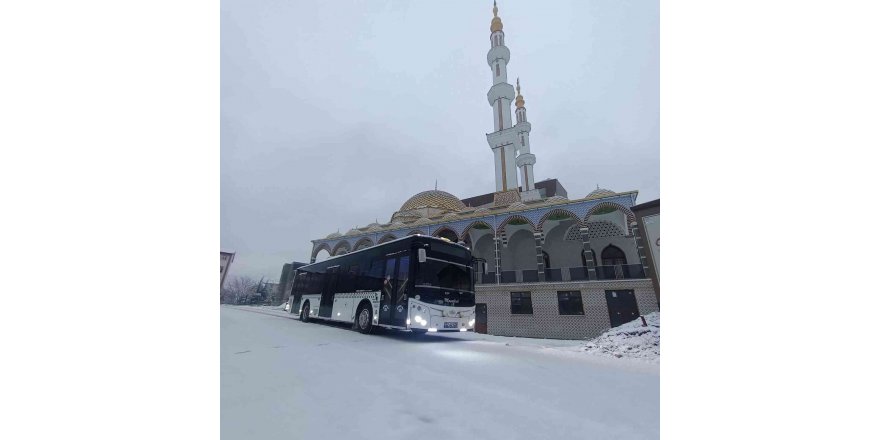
[{"x": 546, "y": 322}]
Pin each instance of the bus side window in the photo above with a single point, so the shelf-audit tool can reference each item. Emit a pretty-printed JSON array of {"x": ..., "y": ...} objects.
[{"x": 372, "y": 280}]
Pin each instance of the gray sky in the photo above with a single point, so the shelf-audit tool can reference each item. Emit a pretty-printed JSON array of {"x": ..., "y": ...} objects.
[{"x": 334, "y": 113}]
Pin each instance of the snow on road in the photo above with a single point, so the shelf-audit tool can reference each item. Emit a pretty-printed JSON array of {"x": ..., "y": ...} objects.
[{"x": 280, "y": 378}]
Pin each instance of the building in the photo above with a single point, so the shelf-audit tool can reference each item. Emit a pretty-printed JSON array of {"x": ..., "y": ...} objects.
[
  {"x": 552, "y": 267},
  {"x": 283, "y": 292},
  {"x": 648, "y": 218},
  {"x": 225, "y": 261}
]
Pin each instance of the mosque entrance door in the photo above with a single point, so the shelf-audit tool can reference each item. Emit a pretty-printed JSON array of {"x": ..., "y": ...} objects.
[
  {"x": 622, "y": 306},
  {"x": 481, "y": 324}
]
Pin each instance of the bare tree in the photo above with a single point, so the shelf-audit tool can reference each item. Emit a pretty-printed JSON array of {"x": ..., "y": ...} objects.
[{"x": 240, "y": 290}]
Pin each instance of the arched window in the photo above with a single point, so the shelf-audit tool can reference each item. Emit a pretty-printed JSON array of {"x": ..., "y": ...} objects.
[
  {"x": 497, "y": 70},
  {"x": 612, "y": 256},
  {"x": 546, "y": 261}
]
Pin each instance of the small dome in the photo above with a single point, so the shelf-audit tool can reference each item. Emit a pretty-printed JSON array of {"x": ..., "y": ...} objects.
[
  {"x": 433, "y": 199},
  {"x": 517, "y": 205},
  {"x": 450, "y": 215},
  {"x": 352, "y": 232},
  {"x": 556, "y": 199},
  {"x": 334, "y": 235},
  {"x": 600, "y": 192}
]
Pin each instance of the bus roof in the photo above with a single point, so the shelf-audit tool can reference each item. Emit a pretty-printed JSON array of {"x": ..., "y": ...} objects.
[{"x": 386, "y": 244}]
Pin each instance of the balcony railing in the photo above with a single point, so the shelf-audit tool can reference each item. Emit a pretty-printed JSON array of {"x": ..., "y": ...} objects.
[{"x": 555, "y": 274}]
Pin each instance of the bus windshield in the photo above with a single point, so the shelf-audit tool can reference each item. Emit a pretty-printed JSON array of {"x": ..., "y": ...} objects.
[{"x": 444, "y": 274}]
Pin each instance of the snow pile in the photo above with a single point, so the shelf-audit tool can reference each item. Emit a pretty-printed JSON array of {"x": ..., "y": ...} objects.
[{"x": 630, "y": 340}]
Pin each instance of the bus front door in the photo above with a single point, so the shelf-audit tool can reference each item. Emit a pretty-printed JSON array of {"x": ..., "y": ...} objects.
[{"x": 395, "y": 291}]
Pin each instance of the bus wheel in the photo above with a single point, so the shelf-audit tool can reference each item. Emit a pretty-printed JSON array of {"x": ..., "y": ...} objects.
[
  {"x": 365, "y": 319},
  {"x": 304, "y": 314}
]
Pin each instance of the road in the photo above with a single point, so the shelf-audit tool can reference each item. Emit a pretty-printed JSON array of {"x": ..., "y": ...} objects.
[{"x": 280, "y": 378}]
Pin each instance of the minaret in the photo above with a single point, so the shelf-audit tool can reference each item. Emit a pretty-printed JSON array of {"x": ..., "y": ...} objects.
[
  {"x": 502, "y": 141},
  {"x": 525, "y": 160}
]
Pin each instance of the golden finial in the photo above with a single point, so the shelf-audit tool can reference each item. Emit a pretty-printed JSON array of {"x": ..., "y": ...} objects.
[
  {"x": 520, "y": 102},
  {"x": 496, "y": 22}
]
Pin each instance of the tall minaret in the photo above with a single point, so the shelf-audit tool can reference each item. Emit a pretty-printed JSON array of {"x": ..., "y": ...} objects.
[
  {"x": 502, "y": 141},
  {"x": 526, "y": 160}
]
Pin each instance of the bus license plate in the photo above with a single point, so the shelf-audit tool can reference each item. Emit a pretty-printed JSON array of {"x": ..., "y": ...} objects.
[{"x": 450, "y": 325}]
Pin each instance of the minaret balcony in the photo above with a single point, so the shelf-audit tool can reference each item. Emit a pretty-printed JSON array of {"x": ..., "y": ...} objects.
[
  {"x": 500, "y": 90},
  {"x": 498, "y": 52},
  {"x": 523, "y": 127},
  {"x": 525, "y": 159},
  {"x": 501, "y": 138}
]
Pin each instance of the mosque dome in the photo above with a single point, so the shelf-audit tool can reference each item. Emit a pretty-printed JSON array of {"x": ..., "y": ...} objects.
[
  {"x": 433, "y": 199},
  {"x": 600, "y": 192},
  {"x": 334, "y": 235}
]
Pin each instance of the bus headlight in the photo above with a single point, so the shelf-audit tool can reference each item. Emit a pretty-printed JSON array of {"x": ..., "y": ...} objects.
[
  {"x": 471, "y": 322},
  {"x": 420, "y": 321}
]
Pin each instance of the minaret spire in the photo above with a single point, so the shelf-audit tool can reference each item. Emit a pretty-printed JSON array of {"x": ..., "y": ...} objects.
[
  {"x": 525, "y": 160},
  {"x": 500, "y": 96}
]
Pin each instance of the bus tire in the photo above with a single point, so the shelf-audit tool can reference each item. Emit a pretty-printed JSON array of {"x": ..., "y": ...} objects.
[
  {"x": 364, "y": 319},
  {"x": 304, "y": 313}
]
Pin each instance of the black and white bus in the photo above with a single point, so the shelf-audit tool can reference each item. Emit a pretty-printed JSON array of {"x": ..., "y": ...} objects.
[{"x": 417, "y": 283}]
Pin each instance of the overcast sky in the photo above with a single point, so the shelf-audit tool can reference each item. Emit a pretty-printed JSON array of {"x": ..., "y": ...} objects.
[{"x": 334, "y": 113}]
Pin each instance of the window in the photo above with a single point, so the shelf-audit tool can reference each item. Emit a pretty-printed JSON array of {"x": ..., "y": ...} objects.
[
  {"x": 497, "y": 70},
  {"x": 570, "y": 302},
  {"x": 371, "y": 279},
  {"x": 612, "y": 256},
  {"x": 521, "y": 303}
]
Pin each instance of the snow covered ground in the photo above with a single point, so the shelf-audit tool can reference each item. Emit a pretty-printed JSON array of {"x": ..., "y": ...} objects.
[{"x": 281, "y": 378}]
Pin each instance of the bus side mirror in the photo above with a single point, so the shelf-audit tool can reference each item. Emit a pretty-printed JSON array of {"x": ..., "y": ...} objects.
[{"x": 422, "y": 255}]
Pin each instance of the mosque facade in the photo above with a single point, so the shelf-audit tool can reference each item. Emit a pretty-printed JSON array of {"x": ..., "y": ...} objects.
[{"x": 548, "y": 266}]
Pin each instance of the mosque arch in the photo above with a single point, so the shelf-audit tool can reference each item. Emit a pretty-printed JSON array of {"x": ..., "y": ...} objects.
[
  {"x": 477, "y": 225},
  {"x": 322, "y": 255},
  {"x": 519, "y": 254},
  {"x": 515, "y": 219},
  {"x": 484, "y": 248},
  {"x": 363, "y": 243},
  {"x": 562, "y": 239},
  {"x": 630, "y": 217},
  {"x": 319, "y": 248},
  {"x": 556, "y": 214},
  {"x": 447, "y": 233},
  {"x": 387, "y": 238},
  {"x": 341, "y": 248}
]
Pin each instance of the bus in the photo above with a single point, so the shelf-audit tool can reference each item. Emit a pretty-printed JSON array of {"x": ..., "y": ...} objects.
[{"x": 416, "y": 283}]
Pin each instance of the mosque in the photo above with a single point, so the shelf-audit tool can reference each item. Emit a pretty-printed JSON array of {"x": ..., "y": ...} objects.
[{"x": 553, "y": 267}]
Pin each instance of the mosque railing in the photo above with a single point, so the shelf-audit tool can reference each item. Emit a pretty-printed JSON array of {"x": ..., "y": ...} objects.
[{"x": 561, "y": 274}]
